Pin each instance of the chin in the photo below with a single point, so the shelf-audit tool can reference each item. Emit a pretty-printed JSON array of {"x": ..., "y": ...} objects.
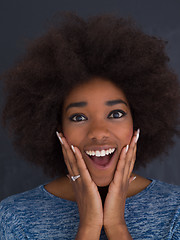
[{"x": 103, "y": 181}]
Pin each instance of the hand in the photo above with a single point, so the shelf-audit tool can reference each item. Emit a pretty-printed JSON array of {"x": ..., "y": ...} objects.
[
  {"x": 86, "y": 192},
  {"x": 114, "y": 205}
]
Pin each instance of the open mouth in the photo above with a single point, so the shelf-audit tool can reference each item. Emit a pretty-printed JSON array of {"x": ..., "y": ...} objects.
[{"x": 102, "y": 161}]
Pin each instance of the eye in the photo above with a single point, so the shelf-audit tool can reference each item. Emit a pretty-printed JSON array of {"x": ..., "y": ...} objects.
[
  {"x": 116, "y": 114},
  {"x": 77, "y": 118}
]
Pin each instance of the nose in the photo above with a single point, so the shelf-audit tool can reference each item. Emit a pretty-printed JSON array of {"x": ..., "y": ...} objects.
[{"x": 98, "y": 131}]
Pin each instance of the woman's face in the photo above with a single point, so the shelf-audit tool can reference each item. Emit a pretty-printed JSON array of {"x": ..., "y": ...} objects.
[{"x": 97, "y": 117}]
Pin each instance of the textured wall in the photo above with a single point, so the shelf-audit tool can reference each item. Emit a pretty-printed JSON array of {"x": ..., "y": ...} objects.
[{"x": 21, "y": 20}]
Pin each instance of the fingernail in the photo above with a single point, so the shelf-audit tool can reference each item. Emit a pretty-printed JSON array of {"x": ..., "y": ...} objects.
[
  {"x": 134, "y": 178},
  {"x": 127, "y": 147},
  {"x": 68, "y": 176},
  {"x": 73, "y": 148},
  {"x": 137, "y": 137},
  {"x": 59, "y": 137}
]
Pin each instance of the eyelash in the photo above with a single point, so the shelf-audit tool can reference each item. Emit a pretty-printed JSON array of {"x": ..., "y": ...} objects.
[{"x": 114, "y": 111}]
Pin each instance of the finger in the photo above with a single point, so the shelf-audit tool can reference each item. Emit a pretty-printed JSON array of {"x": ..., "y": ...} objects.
[
  {"x": 129, "y": 159},
  {"x": 85, "y": 175},
  {"x": 131, "y": 156},
  {"x": 66, "y": 159},
  {"x": 67, "y": 162},
  {"x": 118, "y": 177},
  {"x": 64, "y": 153},
  {"x": 134, "y": 142},
  {"x": 75, "y": 162},
  {"x": 133, "y": 161},
  {"x": 70, "y": 159},
  {"x": 126, "y": 160},
  {"x": 131, "y": 179}
]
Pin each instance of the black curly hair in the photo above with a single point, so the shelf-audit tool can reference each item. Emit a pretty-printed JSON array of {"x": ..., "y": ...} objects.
[{"x": 71, "y": 52}]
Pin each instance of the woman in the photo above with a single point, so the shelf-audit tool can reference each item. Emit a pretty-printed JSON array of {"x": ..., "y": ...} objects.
[{"x": 99, "y": 85}]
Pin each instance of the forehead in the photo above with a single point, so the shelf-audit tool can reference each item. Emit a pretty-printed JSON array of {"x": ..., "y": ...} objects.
[{"x": 95, "y": 90}]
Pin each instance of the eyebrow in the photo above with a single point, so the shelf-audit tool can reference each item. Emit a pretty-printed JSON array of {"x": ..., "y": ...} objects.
[
  {"x": 114, "y": 102},
  {"x": 107, "y": 103}
]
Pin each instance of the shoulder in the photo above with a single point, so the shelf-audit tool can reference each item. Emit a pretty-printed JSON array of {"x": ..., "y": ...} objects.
[
  {"x": 157, "y": 208},
  {"x": 168, "y": 204},
  {"x": 158, "y": 194},
  {"x": 20, "y": 207},
  {"x": 166, "y": 189},
  {"x": 13, "y": 210},
  {"x": 30, "y": 203},
  {"x": 163, "y": 195},
  {"x": 21, "y": 197},
  {"x": 29, "y": 212},
  {"x": 19, "y": 202}
]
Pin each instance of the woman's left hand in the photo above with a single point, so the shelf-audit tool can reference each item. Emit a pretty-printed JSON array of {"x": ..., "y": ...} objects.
[{"x": 114, "y": 205}]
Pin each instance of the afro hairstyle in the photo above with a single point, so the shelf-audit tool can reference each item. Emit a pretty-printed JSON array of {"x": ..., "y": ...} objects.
[{"x": 70, "y": 52}]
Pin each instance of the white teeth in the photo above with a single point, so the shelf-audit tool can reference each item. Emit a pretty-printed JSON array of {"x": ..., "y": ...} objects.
[
  {"x": 92, "y": 153},
  {"x": 98, "y": 153},
  {"x": 101, "y": 153}
]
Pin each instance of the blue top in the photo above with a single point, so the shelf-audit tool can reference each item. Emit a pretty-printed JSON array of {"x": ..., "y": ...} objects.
[{"x": 154, "y": 213}]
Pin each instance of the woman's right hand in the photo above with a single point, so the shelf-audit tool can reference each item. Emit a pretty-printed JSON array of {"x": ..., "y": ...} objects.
[{"x": 86, "y": 192}]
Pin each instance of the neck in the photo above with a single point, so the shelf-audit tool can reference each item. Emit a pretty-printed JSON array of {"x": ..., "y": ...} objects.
[
  {"x": 103, "y": 193},
  {"x": 62, "y": 187}
]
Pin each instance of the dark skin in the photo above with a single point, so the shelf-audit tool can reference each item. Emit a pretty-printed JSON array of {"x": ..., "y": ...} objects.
[{"x": 100, "y": 192}]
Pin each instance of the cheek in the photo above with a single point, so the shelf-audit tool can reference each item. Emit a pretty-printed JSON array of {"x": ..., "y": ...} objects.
[
  {"x": 66, "y": 131},
  {"x": 72, "y": 134},
  {"x": 124, "y": 134},
  {"x": 129, "y": 130},
  {"x": 130, "y": 134},
  {"x": 69, "y": 135}
]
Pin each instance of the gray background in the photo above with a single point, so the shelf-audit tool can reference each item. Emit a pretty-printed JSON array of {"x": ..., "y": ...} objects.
[{"x": 21, "y": 20}]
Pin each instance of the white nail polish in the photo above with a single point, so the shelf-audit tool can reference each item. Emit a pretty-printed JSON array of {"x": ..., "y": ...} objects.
[
  {"x": 59, "y": 137},
  {"x": 134, "y": 178},
  {"x": 68, "y": 176},
  {"x": 127, "y": 147},
  {"x": 137, "y": 137},
  {"x": 73, "y": 148}
]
